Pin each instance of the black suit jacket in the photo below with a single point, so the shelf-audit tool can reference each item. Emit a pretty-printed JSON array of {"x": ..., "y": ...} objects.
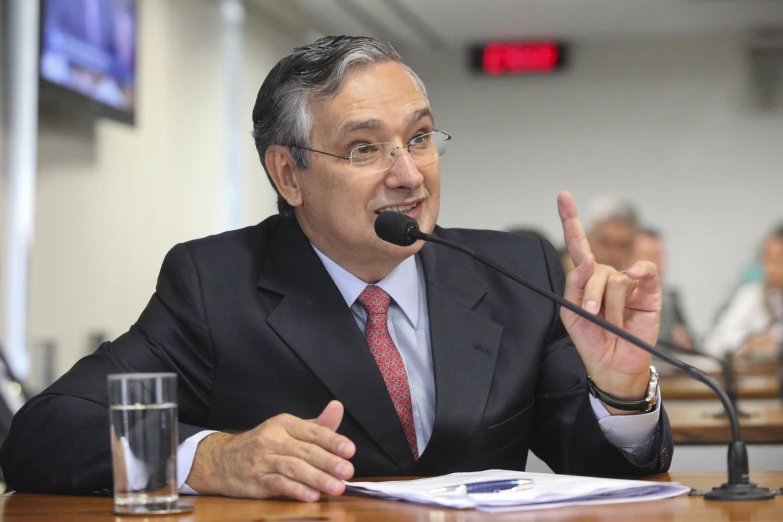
[{"x": 254, "y": 326}]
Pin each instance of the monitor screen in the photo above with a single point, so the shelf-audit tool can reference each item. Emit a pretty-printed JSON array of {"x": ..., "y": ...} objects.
[{"x": 89, "y": 47}]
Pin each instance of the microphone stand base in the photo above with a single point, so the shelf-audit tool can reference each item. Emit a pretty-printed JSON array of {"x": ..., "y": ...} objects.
[{"x": 740, "y": 492}]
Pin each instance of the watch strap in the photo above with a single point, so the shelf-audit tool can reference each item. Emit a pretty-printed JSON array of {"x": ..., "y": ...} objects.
[{"x": 645, "y": 404}]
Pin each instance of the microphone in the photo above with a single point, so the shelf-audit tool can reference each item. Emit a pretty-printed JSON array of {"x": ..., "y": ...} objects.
[
  {"x": 398, "y": 229},
  {"x": 403, "y": 230}
]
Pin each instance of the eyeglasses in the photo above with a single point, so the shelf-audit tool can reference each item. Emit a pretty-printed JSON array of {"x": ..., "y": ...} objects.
[{"x": 372, "y": 158}]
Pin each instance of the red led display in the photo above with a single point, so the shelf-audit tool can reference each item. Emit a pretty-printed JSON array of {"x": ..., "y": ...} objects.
[{"x": 508, "y": 58}]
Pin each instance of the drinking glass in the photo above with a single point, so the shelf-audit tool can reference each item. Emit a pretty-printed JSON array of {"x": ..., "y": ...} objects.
[{"x": 144, "y": 442}]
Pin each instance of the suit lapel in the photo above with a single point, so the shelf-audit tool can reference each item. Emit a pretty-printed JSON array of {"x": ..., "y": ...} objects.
[
  {"x": 465, "y": 348},
  {"x": 314, "y": 321}
]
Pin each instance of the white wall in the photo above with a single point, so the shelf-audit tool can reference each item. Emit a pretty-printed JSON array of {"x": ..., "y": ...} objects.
[
  {"x": 110, "y": 203},
  {"x": 670, "y": 124}
]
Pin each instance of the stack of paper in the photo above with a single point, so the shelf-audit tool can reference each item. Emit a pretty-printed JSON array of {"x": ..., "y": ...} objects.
[{"x": 547, "y": 491}]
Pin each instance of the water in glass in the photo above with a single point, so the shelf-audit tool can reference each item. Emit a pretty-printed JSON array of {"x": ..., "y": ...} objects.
[{"x": 144, "y": 442}]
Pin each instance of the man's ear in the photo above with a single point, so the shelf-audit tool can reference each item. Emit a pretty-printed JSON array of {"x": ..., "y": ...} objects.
[{"x": 282, "y": 169}]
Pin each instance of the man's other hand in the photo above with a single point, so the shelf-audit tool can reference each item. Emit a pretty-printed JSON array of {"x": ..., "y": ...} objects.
[{"x": 284, "y": 457}]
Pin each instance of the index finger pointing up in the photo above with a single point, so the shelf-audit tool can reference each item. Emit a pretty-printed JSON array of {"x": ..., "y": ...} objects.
[{"x": 573, "y": 233}]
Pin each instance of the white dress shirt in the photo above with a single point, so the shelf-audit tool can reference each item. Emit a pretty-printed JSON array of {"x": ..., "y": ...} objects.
[
  {"x": 747, "y": 314},
  {"x": 409, "y": 327}
]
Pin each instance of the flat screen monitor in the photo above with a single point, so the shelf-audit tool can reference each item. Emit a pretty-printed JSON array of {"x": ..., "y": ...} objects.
[{"x": 88, "y": 56}]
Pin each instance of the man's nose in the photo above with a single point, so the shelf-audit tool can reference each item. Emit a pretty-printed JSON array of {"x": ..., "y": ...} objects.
[{"x": 403, "y": 173}]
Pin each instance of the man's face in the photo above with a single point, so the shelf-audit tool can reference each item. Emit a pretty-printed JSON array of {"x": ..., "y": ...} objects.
[
  {"x": 612, "y": 243},
  {"x": 772, "y": 258},
  {"x": 648, "y": 248},
  {"x": 377, "y": 103}
]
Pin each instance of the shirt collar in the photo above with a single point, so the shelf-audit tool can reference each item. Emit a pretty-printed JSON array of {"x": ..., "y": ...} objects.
[{"x": 402, "y": 284}]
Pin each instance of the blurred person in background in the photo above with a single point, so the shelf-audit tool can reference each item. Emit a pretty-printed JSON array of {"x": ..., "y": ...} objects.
[
  {"x": 649, "y": 246},
  {"x": 13, "y": 395},
  {"x": 613, "y": 224},
  {"x": 752, "y": 323}
]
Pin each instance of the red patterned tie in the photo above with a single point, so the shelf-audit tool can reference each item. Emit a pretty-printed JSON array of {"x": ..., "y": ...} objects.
[{"x": 389, "y": 361}]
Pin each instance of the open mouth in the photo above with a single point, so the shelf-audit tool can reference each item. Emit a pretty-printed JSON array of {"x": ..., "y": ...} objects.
[{"x": 402, "y": 209}]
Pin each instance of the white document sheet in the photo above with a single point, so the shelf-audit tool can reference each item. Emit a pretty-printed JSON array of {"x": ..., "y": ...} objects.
[{"x": 547, "y": 491}]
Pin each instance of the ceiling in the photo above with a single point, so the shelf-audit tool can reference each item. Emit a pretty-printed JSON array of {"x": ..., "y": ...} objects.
[{"x": 440, "y": 24}]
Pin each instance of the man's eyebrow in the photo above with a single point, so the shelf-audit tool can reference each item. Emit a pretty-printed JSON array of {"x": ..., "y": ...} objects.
[
  {"x": 420, "y": 114},
  {"x": 355, "y": 125},
  {"x": 376, "y": 124}
]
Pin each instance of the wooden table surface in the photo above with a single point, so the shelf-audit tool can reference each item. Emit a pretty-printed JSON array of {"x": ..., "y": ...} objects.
[
  {"x": 758, "y": 366},
  {"x": 695, "y": 424},
  {"x": 742, "y": 366},
  {"x": 683, "y": 388},
  {"x": 37, "y": 508}
]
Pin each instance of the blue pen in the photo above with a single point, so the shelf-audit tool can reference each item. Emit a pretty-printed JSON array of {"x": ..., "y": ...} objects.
[{"x": 491, "y": 486}]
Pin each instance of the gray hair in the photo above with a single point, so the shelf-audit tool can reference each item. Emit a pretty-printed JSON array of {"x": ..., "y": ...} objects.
[
  {"x": 281, "y": 115},
  {"x": 610, "y": 207}
]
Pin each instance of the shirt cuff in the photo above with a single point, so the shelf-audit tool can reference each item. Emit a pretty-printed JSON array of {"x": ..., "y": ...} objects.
[
  {"x": 627, "y": 431},
  {"x": 185, "y": 455}
]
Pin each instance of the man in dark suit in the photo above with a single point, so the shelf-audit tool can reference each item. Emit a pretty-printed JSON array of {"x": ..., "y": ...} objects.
[{"x": 309, "y": 351}]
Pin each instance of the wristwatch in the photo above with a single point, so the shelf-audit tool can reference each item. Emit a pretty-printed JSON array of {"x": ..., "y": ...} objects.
[{"x": 642, "y": 405}]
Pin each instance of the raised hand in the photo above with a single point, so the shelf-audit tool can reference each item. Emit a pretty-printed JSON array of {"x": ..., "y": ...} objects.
[
  {"x": 630, "y": 300},
  {"x": 284, "y": 457}
]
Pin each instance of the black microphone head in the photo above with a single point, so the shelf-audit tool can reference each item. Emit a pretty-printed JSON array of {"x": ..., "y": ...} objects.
[{"x": 396, "y": 228}]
